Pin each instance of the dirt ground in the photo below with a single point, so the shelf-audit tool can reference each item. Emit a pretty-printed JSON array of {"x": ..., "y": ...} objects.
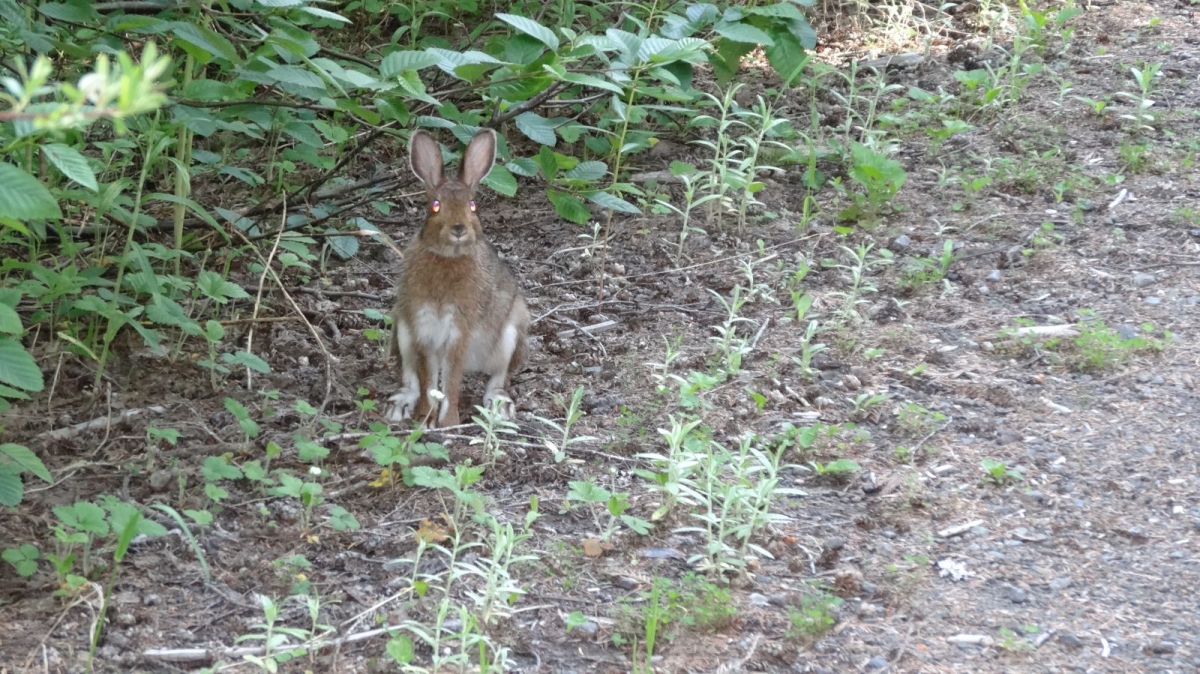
[{"x": 1089, "y": 562}]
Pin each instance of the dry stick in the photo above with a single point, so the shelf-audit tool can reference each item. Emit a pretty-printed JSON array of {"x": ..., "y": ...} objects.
[
  {"x": 262, "y": 281},
  {"x": 106, "y": 420}
]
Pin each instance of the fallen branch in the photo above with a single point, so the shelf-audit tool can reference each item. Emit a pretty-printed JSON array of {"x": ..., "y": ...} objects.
[{"x": 100, "y": 422}]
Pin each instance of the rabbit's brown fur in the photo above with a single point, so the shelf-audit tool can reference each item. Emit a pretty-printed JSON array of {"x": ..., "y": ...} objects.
[{"x": 458, "y": 308}]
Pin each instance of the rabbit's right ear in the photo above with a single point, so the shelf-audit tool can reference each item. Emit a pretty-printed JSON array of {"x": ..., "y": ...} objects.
[{"x": 425, "y": 157}]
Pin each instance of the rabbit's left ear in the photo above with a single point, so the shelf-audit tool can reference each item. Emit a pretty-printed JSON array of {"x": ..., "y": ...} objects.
[{"x": 478, "y": 159}]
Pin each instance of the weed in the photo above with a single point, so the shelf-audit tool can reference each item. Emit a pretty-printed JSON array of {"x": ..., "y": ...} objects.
[
  {"x": 814, "y": 617},
  {"x": 917, "y": 421},
  {"x": 998, "y": 472}
]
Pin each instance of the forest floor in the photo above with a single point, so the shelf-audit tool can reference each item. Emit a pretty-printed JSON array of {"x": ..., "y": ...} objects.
[{"x": 1083, "y": 554}]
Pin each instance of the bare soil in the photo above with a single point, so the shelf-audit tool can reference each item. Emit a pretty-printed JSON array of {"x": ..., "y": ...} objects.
[{"x": 1089, "y": 563}]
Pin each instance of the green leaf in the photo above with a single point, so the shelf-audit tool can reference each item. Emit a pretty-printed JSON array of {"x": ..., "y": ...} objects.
[
  {"x": 10, "y": 322},
  {"x": 742, "y": 32},
  {"x": 11, "y": 489},
  {"x": 17, "y": 368},
  {"x": 218, "y": 289},
  {"x": 531, "y": 28},
  {"x": 569, "y": 207},
  {"x": 537, "y": 128},
  {"x": 26, "y": 461},
  {"x": 502, "y": 181},
  {"x": 727, "y": 58},
  {"x": 70, "y": 12},
  {"x": 208, "y": 41},
  {"x": 23, "y": 197},
  {"x": 216, "y": 468},
  {"x": 72, "y": 164},
  {"x": 248, "y": 360},
  {"x": 589, "y": 171},
  {"x": 783, "y": 10},
  {"x": 787, "y": 55},
  {"x": 310, "y": 451},
  {"x": 296, "y": 76},
  {"x": 398, "y": 61},
  {"x": 344, "y": 247},
  {"x": 613, "y": 202},
  {"x": 400, "y": 648},
  {"x": 325, "y": 14}
]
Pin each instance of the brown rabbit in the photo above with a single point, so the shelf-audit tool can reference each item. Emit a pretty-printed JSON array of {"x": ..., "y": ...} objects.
[{"x": 458, "y": 308}]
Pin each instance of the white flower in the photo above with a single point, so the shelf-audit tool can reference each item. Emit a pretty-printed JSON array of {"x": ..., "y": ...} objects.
[
  {"x": 314, "y": 470},
  {"x": 437, "y": 395}
]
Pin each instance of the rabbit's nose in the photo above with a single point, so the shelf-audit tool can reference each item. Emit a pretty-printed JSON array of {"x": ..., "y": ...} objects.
[{"x": 459, "y": 230}]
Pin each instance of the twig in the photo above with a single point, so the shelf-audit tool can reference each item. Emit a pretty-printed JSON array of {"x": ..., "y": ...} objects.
[
  {"x": 105, "y": 421},
  {"x": 262, "y": 282},
  {"x": 339, "y": 293},
  {"x": 527, "y": 105}
]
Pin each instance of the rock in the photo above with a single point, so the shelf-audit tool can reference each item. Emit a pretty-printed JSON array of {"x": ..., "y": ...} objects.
[
  {"x": 126, "y": 619},
  {"x": 757, "y": 599},
  {"x": 867, "y": 611},
  {"x": 1007, "y": 436},
  {"x": 1161, "y": 648},
  {"x": 1060, "y": 584},
  {"x": 1070, "y": 640},
  {"x": 1017, "y": 596},
  {"x": 877, "y": 663},
  {"x": 1153, "y": 301},
  {"x": 589, "y": 628},
  {"x": 834, "y": 543},
  {"x": 151, "y": 600},
  {"x": 1127, "y": 331},
  {"x": 1193, "y": 300},
  {"x": 983, "y": 290},
  {"x": 1142, "y": 280},
  {"x": 980, "y": 532},
  {"x": 901, "y": 243},
  {"x": 993, "y": 276}
]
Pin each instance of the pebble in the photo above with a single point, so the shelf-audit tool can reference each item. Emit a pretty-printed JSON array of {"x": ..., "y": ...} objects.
[
  {"x": 1194, "y": 299},
  {"x": 901, "y": 242},
  {"x": 1017, "y": 596},
  {"x": 1127, "y": 331},
  {"x": 993, "y": 276},
  {"x": 983, "y": 290},
  {"x": 1196, "y": 233},
  {"x": 877, "y": 663},
  {"x": 1006, "y": 436},
  {"x": 868, "y": 611},
  {"x": 1153, "y": 301},
  {"x": 757, "y": 599},
  {"x": 1161, "y": 648},
  {"x": 588, "y": 627},
  {"x": 835, "y": 543},
  {"x": 1071, "y": 640},
  {"x": 1143, "y": 280},
  {"x": 980, "y": 532}
]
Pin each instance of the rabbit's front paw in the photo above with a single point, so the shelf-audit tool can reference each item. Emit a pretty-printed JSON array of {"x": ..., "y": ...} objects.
[
  {"x": 500, "y": 401},
  {"x": 402, "y": 405}
]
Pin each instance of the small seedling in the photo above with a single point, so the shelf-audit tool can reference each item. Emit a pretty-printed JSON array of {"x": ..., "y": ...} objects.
[{"x": 998, "y": 472}]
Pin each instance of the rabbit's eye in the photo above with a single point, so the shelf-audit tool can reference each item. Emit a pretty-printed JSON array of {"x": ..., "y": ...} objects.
[
  {"x": 435, "y": 206},
  {"x": 472, "y": 206}
]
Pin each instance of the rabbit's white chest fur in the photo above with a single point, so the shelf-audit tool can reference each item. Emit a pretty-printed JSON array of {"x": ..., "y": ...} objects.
[{"x": 436, "y": 330}]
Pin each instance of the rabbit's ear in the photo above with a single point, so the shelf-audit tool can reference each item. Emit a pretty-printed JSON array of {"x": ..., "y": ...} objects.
[
  {"x": 425, "y": 157},
  {"x": 478, "y": 159}
]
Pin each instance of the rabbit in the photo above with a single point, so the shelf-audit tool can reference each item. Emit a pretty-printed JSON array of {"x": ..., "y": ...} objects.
[{"x": 458, "y": 308}]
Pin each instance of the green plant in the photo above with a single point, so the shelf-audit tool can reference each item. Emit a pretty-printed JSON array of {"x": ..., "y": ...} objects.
[
  {"x": 881, "y": 178},
  {"x": 814, "y": 617},
  {"x": 1135, "y": 158},
  {"x": 614, "y": 503},
  {"x": 16, "y": 460},
  {"x": 998, "y": 472},
  {"x": 856, "y": 278},
  {"x": 1014, "y": 643},
  {"x": 917, "y": 421},
  {"x": 921, "y": 273},
  {"x": 1141, "y": 116},
  {"x": 573, "y": 413},
  {"x": 24, "y": 559},
  {"x": 838, "y": 469},
  {"x": 1099, "y": 347}
]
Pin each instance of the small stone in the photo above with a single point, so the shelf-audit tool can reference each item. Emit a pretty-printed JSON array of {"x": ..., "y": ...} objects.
[
  {"x": 901, "y": 242},
  {"x": 1006, "y": 436},
  {"x": 1157, "y": 380},
  {"x": 851, "y": 383},
  {"x": 1143, "y": 377},
  {"x": 1143, "y": 280},
  {"x": 160, "y": 479},
  {"x": 1195, "y": 233},
  {"x": 151, "y": 600},
  {"x": 1193, "y": 300},
  {"x": 757, "y": 599},
  {"x": 626, "y": 583},
  {"x": 589, "y": 628},
  {"x": 983, "y": 290},
  {"x": 834, "y": 543},
  {"x": 993, "y": 276},
  {"x": 1070, "y": 640},
  {"x": 1153, "y": 300},
  {"x": 1161, "y": 648},
  {"x": 980, "y": 532},
  {"x": 1017, "y": 596},
  {"x": 877, "y": 663},
  {"x": 1060, "y": 584},
  {"x": 126, "y": 619},
  {"x": 868, "y": 611}
]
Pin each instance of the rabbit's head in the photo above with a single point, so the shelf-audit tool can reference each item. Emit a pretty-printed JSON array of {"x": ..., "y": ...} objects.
[{"x": 451, "y": 224}]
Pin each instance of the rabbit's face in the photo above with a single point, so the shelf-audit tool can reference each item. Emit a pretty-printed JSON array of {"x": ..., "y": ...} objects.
[{"x": 451, "y": 224}]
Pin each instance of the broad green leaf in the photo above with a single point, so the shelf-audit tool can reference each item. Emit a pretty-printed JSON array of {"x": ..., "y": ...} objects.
[
  {"x": 217, "y": 288},
  {"x": 325, "y": 14},
  {"x": 570, "y": 208},
  {"x": 523, "y": 166},
  {"x": 72, "y": 164},
  {"x": 411, "y": 83},
  {"x": 209, "y": 90},
  {"x": 588, "y": 170},
  {"x": 207, "y": 40},
  {"x": 296, "y": 76},
  {"x": 502, "y": 181},
  {"x": 531, "y": 28},
  {"x": 25, "y": 460},
  {"x": 345, "y": 247},
  {"x": 18, "y": 368},
  {"x": 23, "y": 197},
  {"x": 585, "y": 80},
  {"x": 396, "y": 62},
  {"x": 727, "y": 58},
  {"x": 786, "y": 55},
  {"x": 11, "y": 489},
  {"x": 537, "y": 128},
  {"x": 72, "y": 12},
  {"x": 783, "y": 10},
  {"x": 10, "y": 322},
  {"x": 309, "y": 451},
  {"x": 613, "y": 202},
  {"x": 742, "y": 32},
  {"x": 247, "y": 360}
]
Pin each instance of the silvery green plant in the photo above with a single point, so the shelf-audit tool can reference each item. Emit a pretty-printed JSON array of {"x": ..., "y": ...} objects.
[
  {"x": 573, "y": 413},
  {"x": 670, "y": 470}
]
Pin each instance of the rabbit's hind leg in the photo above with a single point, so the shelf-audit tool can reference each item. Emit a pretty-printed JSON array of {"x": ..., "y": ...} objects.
[{"x": 510, "y": 353}]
